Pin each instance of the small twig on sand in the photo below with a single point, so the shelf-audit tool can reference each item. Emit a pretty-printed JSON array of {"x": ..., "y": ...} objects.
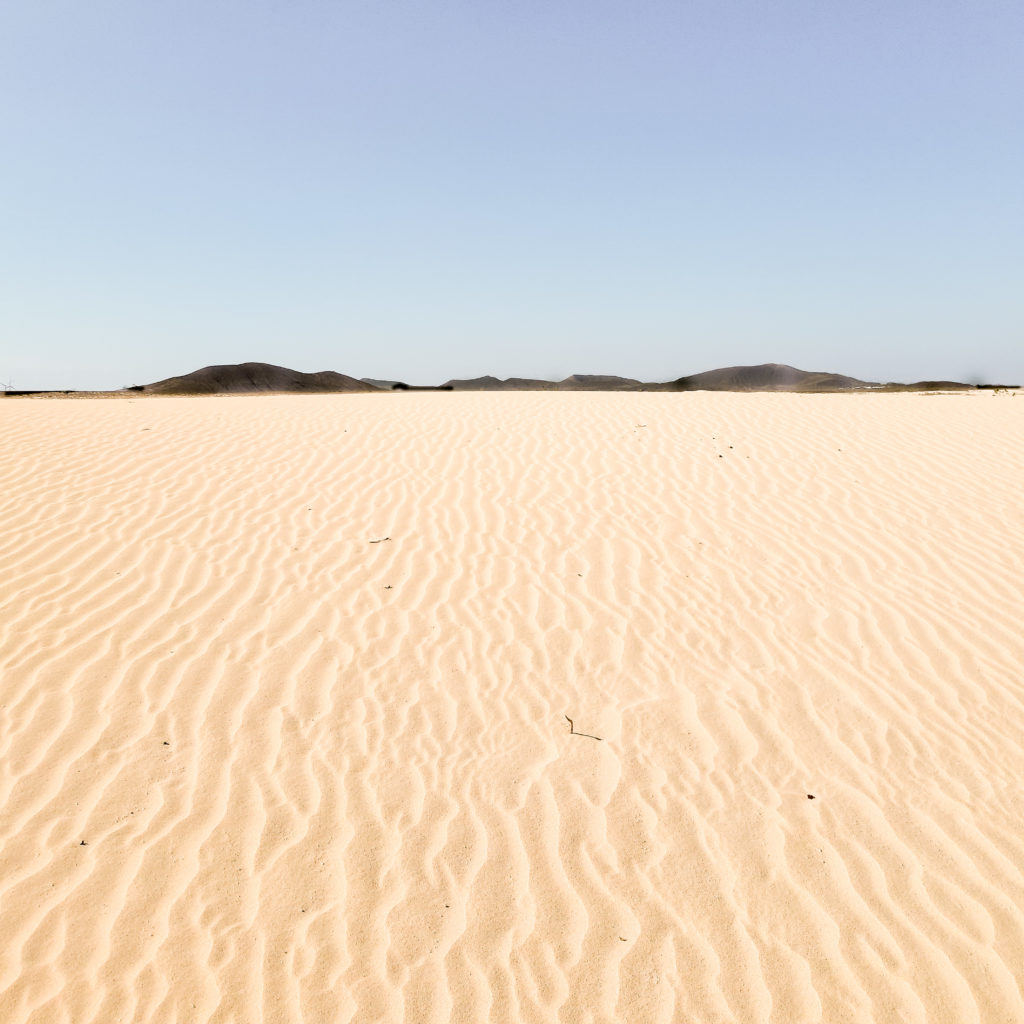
[
  {"x": 573, "y": 732},
  {"x": 380, "y": 540}
]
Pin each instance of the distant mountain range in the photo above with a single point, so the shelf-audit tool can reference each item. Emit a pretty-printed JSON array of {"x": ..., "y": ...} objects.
[
  {"x": 766, "y": 377},
  {"x": 242, "y": 378}
]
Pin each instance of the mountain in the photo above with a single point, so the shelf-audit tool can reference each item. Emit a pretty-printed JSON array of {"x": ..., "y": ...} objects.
[
  {"x": 598, "y": 382},
  {"x": 577, "y": 382},
  {"x": 767, "y": 377},
  {"x": 494, "y": 384},
  {"x": 241, "y": 378},
  {"x": 934, "y": 385}
]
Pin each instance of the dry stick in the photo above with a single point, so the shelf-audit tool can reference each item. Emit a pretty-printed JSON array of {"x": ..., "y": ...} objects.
[
  {"x": 573, "y": 732},
  {"x": 380, "y": 540}
]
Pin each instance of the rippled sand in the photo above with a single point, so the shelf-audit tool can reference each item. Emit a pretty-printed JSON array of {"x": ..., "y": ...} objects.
[{"x": 284, "y": 688}]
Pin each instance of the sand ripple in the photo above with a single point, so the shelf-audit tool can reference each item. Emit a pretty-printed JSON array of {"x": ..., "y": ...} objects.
[{"x": 283, "y": 686}]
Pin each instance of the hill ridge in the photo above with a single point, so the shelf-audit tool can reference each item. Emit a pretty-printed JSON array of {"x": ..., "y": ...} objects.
[{"x": 255, "y": 377}]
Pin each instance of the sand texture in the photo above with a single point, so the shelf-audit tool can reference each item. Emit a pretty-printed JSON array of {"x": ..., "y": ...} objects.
[{"x": 284, "y": 685}]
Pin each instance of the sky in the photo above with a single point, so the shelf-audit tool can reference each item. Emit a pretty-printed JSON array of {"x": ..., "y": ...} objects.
[{"x": 450, "y": 188}]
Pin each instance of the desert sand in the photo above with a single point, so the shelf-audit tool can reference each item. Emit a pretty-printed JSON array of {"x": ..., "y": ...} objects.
[{"x": 285, "y": 684}]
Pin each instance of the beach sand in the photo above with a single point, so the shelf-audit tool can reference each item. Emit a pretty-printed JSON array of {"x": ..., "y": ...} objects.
[{"x": 285, "y": 684}]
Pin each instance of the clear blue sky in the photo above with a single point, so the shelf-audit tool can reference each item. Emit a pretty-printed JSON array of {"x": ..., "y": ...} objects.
[{"x": 450, "y": 188}]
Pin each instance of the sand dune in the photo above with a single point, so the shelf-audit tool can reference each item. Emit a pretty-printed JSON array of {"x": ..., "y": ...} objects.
[{"x": 284, "y": 684}]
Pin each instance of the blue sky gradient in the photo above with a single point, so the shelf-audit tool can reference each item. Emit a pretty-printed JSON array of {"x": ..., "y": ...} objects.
[{"x": 447, "y": 189}]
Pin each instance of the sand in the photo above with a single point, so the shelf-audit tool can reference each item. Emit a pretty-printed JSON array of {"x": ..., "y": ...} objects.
[{"x": 284, "y": 685}]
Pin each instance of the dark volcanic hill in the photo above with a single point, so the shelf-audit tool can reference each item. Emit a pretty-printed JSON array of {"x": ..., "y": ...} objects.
[
  {"x": 767, "y": 377},
  {"x": 598, "y": 382},
  {"x": 242, "y": 378},
  {"x": 932, "y": 385},
  {"x": 577, "y": 382},
  {"x": 496, "y": 384}
]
